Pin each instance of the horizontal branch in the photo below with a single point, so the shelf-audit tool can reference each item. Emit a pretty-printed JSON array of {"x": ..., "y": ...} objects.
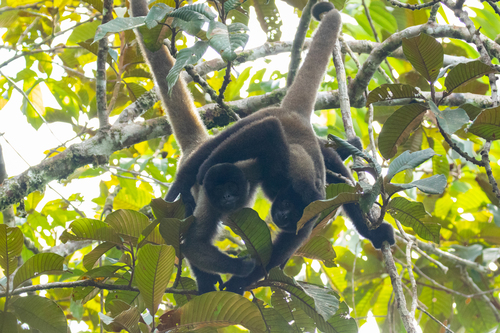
[
  {"x": 88, "y": 283},
  {"x": 94, "y": 151}
]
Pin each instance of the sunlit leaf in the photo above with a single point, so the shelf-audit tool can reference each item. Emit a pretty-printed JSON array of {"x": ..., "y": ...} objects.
[
  {"x": 41, "y": 263},
  {"x": 408, "y": 160},
  {"x": 90, "y": 258},
  {"x": 432, "y": 185},
  {"x": 464, "y": 72},
  {"x": 318, "y": 248},
  {"x": 398, "y": 128},
  {"x": 153, "y": 271},
  {"x": 11, "y": 245},
  {"x": 247, "y": 224},
  {"x": 216, "y": 309},
  {"x": 187, "y": 56},
  {"x": 410, "y": 214},
  {"x": 487, "y": 124},
  {"x": 119, "y": 24},
  {"x": 90, "y": 229}
]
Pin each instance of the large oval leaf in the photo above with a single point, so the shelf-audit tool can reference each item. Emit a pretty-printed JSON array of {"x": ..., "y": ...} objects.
[
  {"x": 128, "y": 223},
  {"x": 152, "y": 273},
  {"x": 408, "y": 160},
  {"x": 398, "y": 128},
  {"x": 247, "y": 224},
  {"x": 388, "y": 92},
  {"x": 90, "y": 229},
  {"x": 217, "y": 309},
  {"x": 425, "y": 54},
  {"x": 464, "y": 72},
  {"x": 41, "y": 263},
  {"x": 318, "y": 248},
  {"x": 487, "y": 124},
  {"x": 11, "y": 245},
  {"x": 41, "y": 313},
  {"x": 410, "y": 213}
]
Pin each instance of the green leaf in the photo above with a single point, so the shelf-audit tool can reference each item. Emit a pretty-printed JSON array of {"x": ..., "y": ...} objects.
[
  {"x": 192, "y": 12},
  {"x": 450, "y": 120},
  {"x": 216, "y": 309},
  {"x": 42, "y": 313},
  {"x": 373, "y": 164},
  {"x": 465, "y": 72},
  {"x": 97, "y": 4},
  {"x": 83, "y": 32},
  {"x": 161, "y": 208},
  {"x": 41, "y": 263},
  {"x": 90, "y": 258},
  {"x": 129, "y": 224},
  {"x": 389, "y": 92},
  {"x": 370, "y": 195},
  {"x": 152, "y": 273},
  {"x": 187, "y": 56},
  {"x": 398, "y": 128},
  {"x": 118, "y": 25},
  {"x": 126, "y": 320},
  {"x": 90, "y": 229},
  {"x": 172, "y": 230},
  {"x": 425, "y": 54},
  {"x": 11, "y": 245},
  {"x": 472, "y": 110},
  {"x": 232, "y": 4},
  {"x": 157, "y": 14},
  {"x": 226, "y": 39},
  {"x": 247, "y": 224},
  {"x": 487, "y": 124},
  {"x": 379, "y": 15},
  {"x": 269, "y": 18},
  {"x": 319, "y": 206},
  {"x": 410, "y": 213},
  {"x": 408, "y": 160},
  {"x": 432, "y": 185},
  {"x": 319, "y": 248},
  {"x": 320, "y": 304},
  {"x": 8, "y": 322},
  {"x": 193, "y": 27}
]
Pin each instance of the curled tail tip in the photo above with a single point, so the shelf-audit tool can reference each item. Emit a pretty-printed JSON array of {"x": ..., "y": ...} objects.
[{"x": 321, "y": 8}]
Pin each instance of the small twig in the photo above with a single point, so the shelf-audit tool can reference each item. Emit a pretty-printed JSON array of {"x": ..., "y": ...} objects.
[
  {"x": 35, "y": 6},
  {"x": 412, "y": 7},
  {"x": 108, "y": 205},
  {"x": 433, "y": 13},
  {"x": 227, "y": 80},
  {"x": 435, "y": 319},
  {"x": 414, "y": 292},
  {"x": 101, "y": 79},
  {"x": 486, "y": 161},
  {"x": 298, "y": 42},
  {"x": 408, "y": 321},
  {"x": 202, "y": 82},
  {"x": 453, "y": 258},
  {"x": 135, "y": 173},
  {"x": 468, "y": 281},
  {"x": 59, "y": 33},
  {"x": 25, "y": 32},
  {"x": 178, "y": 275},
  {"x": 30, "y": 103},
  {"x": 457, "y": 149},
  {"x": 352, "y": 281}
]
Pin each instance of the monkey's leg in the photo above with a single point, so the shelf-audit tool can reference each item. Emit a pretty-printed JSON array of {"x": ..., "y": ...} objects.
[
  {"x": 198, "y": 249},
  {"x": 205, "y": 281},
  {"x": 284, "y": 246}
]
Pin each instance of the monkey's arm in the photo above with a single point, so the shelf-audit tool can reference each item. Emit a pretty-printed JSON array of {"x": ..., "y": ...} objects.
[{"x": 333, "y": 162}]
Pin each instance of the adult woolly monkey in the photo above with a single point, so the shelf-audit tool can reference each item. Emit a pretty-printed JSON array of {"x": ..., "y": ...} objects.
[
  {"x": 190, "y": 132},
  {"x": 284, "y": 144}
]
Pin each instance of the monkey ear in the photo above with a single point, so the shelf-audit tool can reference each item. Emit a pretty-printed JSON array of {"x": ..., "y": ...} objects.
[{"x": 321, "y": 8}]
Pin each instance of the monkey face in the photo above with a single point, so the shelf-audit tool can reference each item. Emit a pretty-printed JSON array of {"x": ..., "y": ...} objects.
[
  {"x": 226, "y": 187},
  {"x": 287, "y": 209}
]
